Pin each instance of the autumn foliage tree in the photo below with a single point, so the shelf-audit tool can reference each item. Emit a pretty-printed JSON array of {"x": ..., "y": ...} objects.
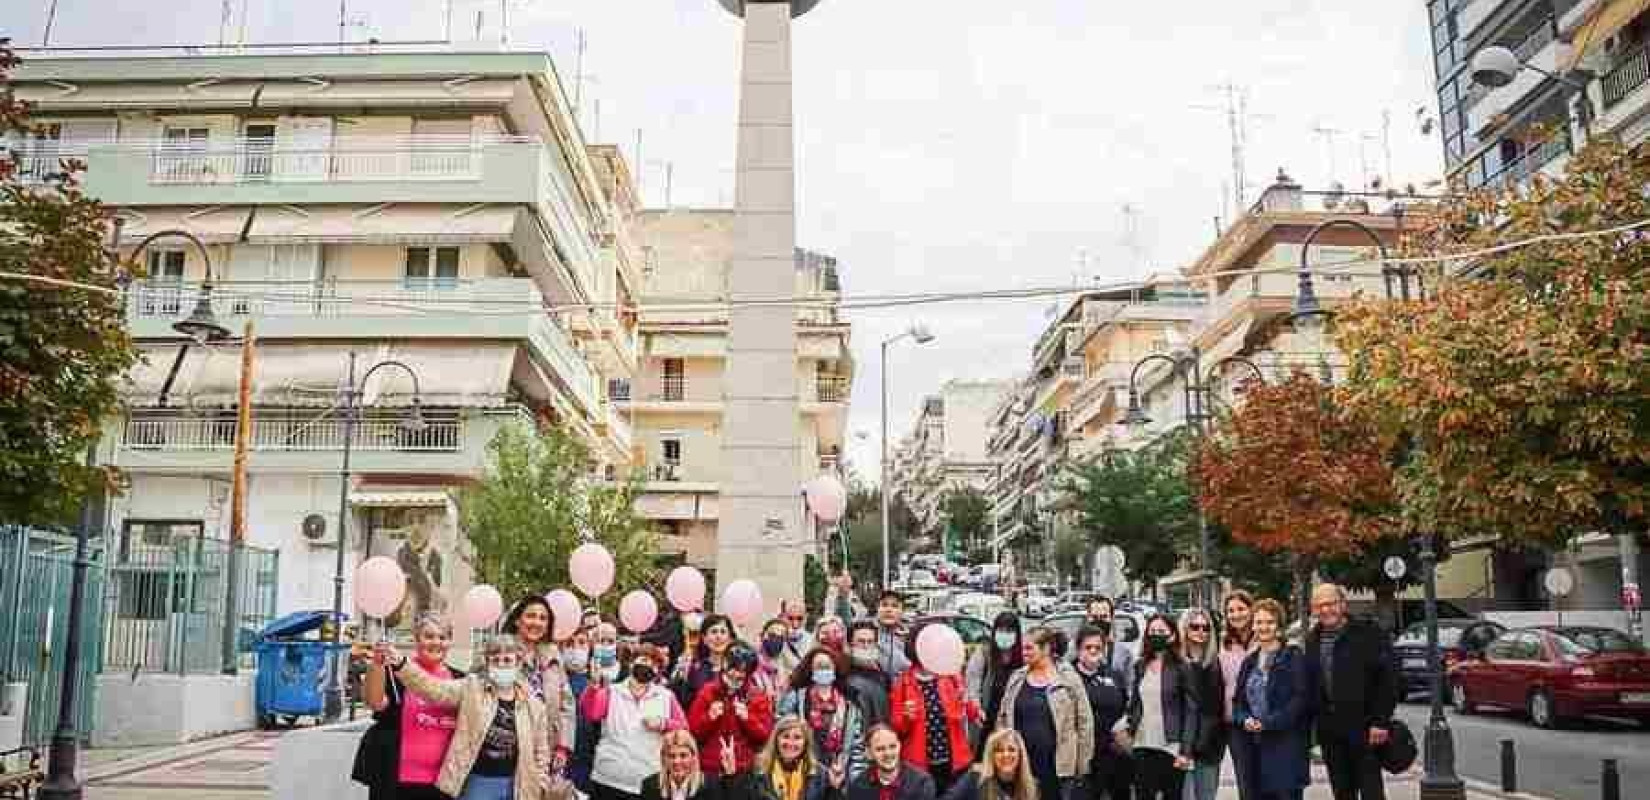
[
  {"x": 1291, "y": 471},
  {"x": 1521, "y": 383}
]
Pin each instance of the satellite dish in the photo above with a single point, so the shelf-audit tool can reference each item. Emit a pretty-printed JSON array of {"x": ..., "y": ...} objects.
[{"x": 314, "y": 527}]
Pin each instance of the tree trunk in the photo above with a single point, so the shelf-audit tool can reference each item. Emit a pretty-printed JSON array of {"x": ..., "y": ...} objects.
[{"x": 1304, "y": 567}]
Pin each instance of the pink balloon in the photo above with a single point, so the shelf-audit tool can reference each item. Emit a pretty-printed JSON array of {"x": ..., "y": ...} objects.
[
  {"x": 826, "y": 497},
  {"x": 940, "y": 650},
  {"x": 742, "y": 602},
  {"x": 592, "y": 569},
  {"x": 685, "y": 588},
  {"x": 482, "y": 607},
  {"x": 638, "y": 611},
  {"x": 379, "y": 586},
  {"x": 564, "y": 606}
]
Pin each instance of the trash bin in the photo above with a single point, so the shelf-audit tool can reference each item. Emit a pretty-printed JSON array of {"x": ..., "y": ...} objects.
[{"x": 292, "y": 668}]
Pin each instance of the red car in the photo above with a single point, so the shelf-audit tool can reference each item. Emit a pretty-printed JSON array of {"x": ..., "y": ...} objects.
[{"x": 1554, "y": 674}]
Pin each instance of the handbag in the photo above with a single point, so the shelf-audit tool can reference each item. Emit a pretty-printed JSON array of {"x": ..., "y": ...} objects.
[{"x": 1398, "y": 754}]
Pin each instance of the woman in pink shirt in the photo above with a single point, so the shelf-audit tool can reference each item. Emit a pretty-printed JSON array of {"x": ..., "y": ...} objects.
[
  {"x": 401, "y": 754},
  {"x": 1235, "y": 646}
]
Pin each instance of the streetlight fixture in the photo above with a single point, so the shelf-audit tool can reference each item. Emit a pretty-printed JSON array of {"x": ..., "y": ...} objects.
[
  {"x": 349, "y": 396},
  {"x": 1496, "y": 66},
  {"x": 202, "y": 323},
  {"x": 920, "y": 334},
  {"x": 1198, "y": 389}
]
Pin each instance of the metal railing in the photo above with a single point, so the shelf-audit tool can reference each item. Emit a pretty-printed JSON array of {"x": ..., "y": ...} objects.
[
  {"x": 333, "y": 298},
  {"x": 260, "y": 160},
  {"x": 1625, "y": 76},
  {"x": 673, "y": 388},
  {"x": 831, "y": 389},
  {"x": 1531, "y": 161},
  {"x": 299, "y": 430},
  {"x": 164, "y": 605}
]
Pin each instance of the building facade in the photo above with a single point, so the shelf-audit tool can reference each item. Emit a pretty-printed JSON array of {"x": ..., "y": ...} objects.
[
  {"x": 946, "y": 449},
  {"x": 436, "y": 209},
  {"x": 679, "y": 398}
]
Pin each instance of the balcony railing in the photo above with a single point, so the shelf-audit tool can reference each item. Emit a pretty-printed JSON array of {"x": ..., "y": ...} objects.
[
  {"x": 673, "y": 388},
  {"x": 1519, "y": 170},
  {"x": 1539, "y": 37},
  {"x": 407, "y": 158},
  {"x": 298, "y": 431},
  {"x": 334, "y": 298},
  {"x": 1627, "y": 75},
  {"x": 831, "y": 389}
]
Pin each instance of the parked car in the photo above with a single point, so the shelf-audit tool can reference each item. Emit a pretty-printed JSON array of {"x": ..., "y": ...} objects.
[
  {"x": 979, "y": 605},
  {"x": 973, "y": 630},
  {"x": 1125, "y": 627},
  {"x": 1458, "y": 639},
  {"x": 1038, "y": 600},
  {"x": 1557, "y": 673}
]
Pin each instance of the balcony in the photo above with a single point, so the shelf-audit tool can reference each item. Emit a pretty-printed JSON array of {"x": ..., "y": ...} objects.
[
  {"x": 1625, "y": 77},
  {"x": 308, "y": 440},
  {"x": 410, "y": 169},
  {"x": 1540, "y": 158},
  {"x": 617, "y": 428},
  {"x": 831, "y": 389}
]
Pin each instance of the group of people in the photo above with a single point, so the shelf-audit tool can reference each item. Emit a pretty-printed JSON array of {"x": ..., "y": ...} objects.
[{"x": 847, "y": 710}]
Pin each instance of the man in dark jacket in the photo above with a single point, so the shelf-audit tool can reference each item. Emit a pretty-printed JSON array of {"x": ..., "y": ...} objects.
[
  {"x": 1355, "y": 685},
  {"x": 867, "y": 684},
  {"x": 1111, "y": 771},
  {"x": 889, "y": 777}
]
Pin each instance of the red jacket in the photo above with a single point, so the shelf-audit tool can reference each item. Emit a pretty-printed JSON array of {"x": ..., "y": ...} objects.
[
  {"x": 748, "y": 734},
  {"x": 912, "y": 725}
]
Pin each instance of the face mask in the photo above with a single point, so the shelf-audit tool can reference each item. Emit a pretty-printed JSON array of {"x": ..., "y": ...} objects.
[
  {"x": 576, "y": 659},
  {"x": 606, "y": 655},
  {"x": 1005, "y": 639},
  {"x": 1158, "y": 641},
  {"x": 866, "y": 655},
  {"x": 502, "y": 677},
  {"x": 643, "y": 673},
  {"x": 772, "y": 646},
  {"x": 824, "y": 677}
]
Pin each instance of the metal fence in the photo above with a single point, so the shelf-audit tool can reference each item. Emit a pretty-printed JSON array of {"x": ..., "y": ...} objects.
[
  {"x": 163, "y": 608},
  {"x": 36, "y": 573}
]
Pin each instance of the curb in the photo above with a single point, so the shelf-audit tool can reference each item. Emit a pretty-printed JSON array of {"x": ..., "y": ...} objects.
[
  {"x": 184, "y": 752},
  {"x": 1492, "y": 790}
]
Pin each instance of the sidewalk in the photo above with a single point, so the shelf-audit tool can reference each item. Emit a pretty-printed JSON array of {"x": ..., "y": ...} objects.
[
  {"x": 1398, "y": 787},
  {"x": 233, "y": 767}
]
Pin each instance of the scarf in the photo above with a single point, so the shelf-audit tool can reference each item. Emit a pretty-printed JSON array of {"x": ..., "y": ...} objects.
[
  {"x": 828, "y": 719},
  {"x": 787, "y": 783}
]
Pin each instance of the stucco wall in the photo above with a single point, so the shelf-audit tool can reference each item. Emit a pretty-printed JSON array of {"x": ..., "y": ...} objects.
[
  {"x": 15, "y": 710},
  {"x": 160, "y": 709},
  {"x": 315, "y": 763}
]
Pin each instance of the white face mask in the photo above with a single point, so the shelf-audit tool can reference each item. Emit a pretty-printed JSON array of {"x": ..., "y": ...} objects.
[{"x": 502, "y": 677}]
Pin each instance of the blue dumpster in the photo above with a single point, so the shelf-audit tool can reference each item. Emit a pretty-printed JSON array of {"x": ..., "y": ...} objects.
[{"x": 292, "y": 668}]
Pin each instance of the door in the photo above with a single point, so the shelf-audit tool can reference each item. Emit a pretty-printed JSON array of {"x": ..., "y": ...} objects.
[
  {"x": 303, "y": 149},
  {"x": 182, "y": 157},
  {"x": 1488, "y": 682},
  {"x": 36, "y": 576},
  {"x": 258, "y": 155},
  {"x": 165, "y": 292}
]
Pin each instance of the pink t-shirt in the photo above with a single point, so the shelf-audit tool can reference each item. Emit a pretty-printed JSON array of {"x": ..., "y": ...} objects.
[{"x": 426, "y": 729}]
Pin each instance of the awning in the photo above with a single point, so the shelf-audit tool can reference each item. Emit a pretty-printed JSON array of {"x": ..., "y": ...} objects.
[
  {"x": 404, "y": 498},
  {"x": 308, "y": 375},
  {"x": 687, "y": 345},
  {"x": 1607, "y": 20},
  {"x": 384, "y": 224},
  {"x": 212, "y": 225}
]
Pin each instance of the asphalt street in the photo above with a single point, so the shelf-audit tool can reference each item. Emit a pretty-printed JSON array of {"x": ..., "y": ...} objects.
[{"x": 1563, "y": 764}]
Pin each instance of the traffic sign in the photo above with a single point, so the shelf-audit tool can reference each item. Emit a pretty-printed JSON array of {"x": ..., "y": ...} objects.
[
  {"x": 1559, "y": 582},
  {"x": 1394, "y": 567}
]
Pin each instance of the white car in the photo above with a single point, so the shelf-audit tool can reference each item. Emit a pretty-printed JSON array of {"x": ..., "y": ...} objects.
[
  {"x": 1038, "y": 600},
  {"x": 978, "y": 604}
]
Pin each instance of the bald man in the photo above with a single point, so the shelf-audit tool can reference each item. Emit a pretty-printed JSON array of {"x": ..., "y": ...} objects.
[{"x": 1355, "y": 684}]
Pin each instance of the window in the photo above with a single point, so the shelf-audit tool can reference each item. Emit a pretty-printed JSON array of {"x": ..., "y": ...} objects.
[
  {"x": 182, "y": 154},
  {"x": 258, "y": 159},
  {"x": 40, "y": 156},
  {"x": 672, "y": 451},
  {"x": 165, "y": 293},
  {"x": 674, "y": 380},
  {"x": 432, "y": 267}
]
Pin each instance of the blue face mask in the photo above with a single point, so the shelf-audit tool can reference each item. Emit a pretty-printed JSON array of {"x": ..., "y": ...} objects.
[
  {"x": 606, "y": 655},
  {"x": 824, "y": 677}
]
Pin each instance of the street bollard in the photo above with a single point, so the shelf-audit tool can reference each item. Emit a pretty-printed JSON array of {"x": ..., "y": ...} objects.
[
  {"x": 1610, "y": 781},
  {"x": 1509, "y": 767}
]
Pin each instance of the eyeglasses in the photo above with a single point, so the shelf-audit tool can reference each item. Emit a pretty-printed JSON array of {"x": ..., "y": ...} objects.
[
  {"x": 796, "y": 620},
  {"x": 1198, "y": 627}
]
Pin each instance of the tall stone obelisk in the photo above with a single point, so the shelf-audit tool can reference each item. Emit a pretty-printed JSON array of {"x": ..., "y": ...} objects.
[{"x": 760, "y": 533}]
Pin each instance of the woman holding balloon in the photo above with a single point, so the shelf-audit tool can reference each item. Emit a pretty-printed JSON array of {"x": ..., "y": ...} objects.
[
  {"x": 400, "y": 755},
  {"x": 927, "y": 706},
  {"x": 710, "y": 658}
]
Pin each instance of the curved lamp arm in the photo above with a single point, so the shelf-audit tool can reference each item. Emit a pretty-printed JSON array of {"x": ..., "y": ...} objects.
[
  {"x": 176, "y": 233},
  {"x": 415, "y": 418},
  {"x": 1306, "y": 298},
  {"x": 1135, "y": 415}
]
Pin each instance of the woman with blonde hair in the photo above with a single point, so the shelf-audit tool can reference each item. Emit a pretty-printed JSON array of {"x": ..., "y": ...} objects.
[
  {"x": 786, "y": 769},
  {"x": 501, "y": 749},
  {"x": 1003, "y": 772},
  {"x": 1200, "y": 651},
  {"x": 679, "y": 776}
]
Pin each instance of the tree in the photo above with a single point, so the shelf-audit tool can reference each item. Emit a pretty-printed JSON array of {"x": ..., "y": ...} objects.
[
  {"x": 1139, "y": 502},
  {"x": 966, "y": 514},
  {"x": 862, "y": 523},
  {"x": 63, "y": 347},
  {"x": 1522, "y": 391},
  {"x": 537, "y": 503},
  {"x": 1071, "y": 556}
]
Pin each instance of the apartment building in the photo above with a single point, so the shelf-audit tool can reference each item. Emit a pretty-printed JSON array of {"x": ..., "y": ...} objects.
[
  {"x": 678, "y": 400},
  {"x": 1497, "y": 136},
  {"x": 946, "y": 449},
  {"x": 436, "y": 209}
]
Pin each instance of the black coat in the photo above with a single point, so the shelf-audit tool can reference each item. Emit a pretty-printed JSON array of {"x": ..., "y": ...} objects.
[
  {"x": 1364, "y": 689},
  {"x": 713, "y": 788},
  {"x": 967, "y": 787},
  {"x": 378, "y": 757},
  {"x": 868, "y": 688},
  {"x": 754, "y": 785},
  {"x": 1210, "y": 684},
  {"x": 1108, "y": 693},
  {"x": 914, "y": 784},
  {"x": 1181, "y": 717}
]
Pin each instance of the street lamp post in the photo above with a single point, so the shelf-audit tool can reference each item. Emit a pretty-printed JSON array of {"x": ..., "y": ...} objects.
[
  {"x": 1196, "y": 394},
  {"x": 1438, "y": 780},
  {"x": 349, "y": 396},
  {"x": 920, "y": 334}
]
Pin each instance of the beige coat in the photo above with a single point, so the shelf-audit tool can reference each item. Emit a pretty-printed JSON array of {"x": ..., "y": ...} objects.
[
  {"x": 1068, "y": 700},
  {"x": 477, "y": 702}
]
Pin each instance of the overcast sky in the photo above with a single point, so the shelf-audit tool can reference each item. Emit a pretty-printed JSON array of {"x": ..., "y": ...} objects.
[{"x": 941, "y": 145}]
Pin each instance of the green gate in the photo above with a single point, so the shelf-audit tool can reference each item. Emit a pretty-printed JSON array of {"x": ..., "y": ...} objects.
[{"x": 36, "y": 572}]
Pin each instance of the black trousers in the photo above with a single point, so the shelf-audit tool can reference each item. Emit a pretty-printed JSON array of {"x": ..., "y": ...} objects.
[
  {"x": 1354, "y": 774},
  {"x": 1111, "y": 776},
  {"x": 1155, "y": 775},
  {"x": 406, "y": 791},
  {"x": 600, "y": 792},
  {"x": 943, "y": 778}
]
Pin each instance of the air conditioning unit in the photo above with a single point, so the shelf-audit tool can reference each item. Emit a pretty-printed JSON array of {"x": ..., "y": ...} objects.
[{"x": 314, "y": 527}]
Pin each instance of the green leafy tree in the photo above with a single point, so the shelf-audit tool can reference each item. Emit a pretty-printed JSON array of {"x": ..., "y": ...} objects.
[
  {"x": 537, "y": 503},
  {"x": 862, "y": 523},
  {"x": 1522, "y": 390},
  {"x": 63, "y": 348},
  {"x": 967, "y": 514},
  {"x": 1137, "y": 501},
  {"x": 1071, "y": 556}
]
